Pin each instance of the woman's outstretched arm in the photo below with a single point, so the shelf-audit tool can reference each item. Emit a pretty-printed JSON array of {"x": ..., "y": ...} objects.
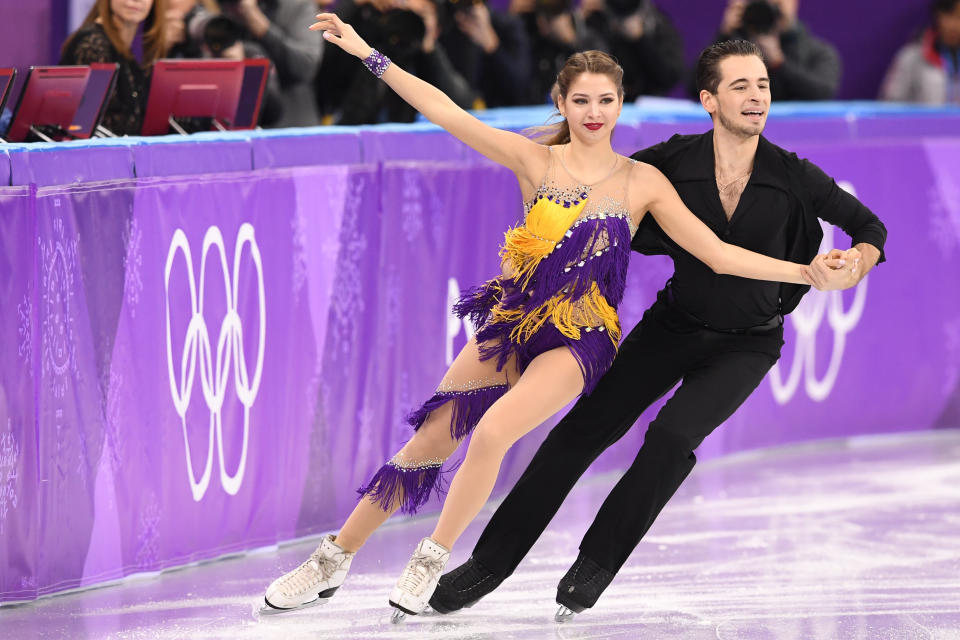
[
  {"x": 503, "y": 147},
  {"x": 661, "y": 199}
]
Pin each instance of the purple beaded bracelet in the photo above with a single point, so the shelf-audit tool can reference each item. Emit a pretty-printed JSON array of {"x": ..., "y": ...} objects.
[{"x": 376, "y": 62}]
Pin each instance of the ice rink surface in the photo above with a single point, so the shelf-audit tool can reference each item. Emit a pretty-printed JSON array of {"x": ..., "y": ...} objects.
[{"x": 854, "y": 538}]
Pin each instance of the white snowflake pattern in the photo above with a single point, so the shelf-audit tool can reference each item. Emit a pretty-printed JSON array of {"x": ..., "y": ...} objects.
[
  {"x": 132, "y": 266},
  {"x": 299, "y": 255},
  {"x": 347, "y": 299},
  {"x": 365, "y": 420},
  {"x": 9, "y": 462},
  {"x": 394, "y": 295},
  {"x": 951, "y": 343},
  {"x": 148, "y": 532},
  {"x": 25, "y": 329},
  {"x": 113, "y": 431},
  {"x": 944, "y": 218},
  {"x": 411, "y": 211},
  {"x": 401, "y": 430},
  {"x": 58, "y": 264},
  {"x": 439, "y": 231}
]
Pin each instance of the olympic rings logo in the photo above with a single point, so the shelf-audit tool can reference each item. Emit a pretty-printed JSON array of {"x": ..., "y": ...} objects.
[
  {"x": 214, "y": 373},
  {"x": 806, "y": 320}
]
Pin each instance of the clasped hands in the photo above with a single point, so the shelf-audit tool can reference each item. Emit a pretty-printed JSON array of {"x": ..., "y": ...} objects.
[{"x": 833, "y": 270}]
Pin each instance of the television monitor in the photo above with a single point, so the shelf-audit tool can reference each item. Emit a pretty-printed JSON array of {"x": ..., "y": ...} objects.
[
  {"x": 48, "y": 103},
  {"x": 96, "y": 97},
  {"x": 7, "y": 76},
  {"x": 192, "y": 89},
  {"x": 255, "y": 72}
]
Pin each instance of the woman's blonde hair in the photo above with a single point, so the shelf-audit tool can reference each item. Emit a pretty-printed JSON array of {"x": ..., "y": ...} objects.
[
  {"x": 577, "y": 64},
  {"x": 154, "y": 36}
]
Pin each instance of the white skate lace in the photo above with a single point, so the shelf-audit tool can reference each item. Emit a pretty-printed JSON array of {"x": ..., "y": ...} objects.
[
  {"x": 316, "y": 569},
  {"x": 420, "y": 571}
]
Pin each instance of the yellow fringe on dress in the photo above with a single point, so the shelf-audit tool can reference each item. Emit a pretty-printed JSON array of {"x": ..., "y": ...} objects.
[
  {"x": 567, "y": 315},
  {"x": 525, "y": 246}
]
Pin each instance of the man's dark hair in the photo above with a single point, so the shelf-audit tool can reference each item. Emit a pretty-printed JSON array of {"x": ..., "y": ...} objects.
[
  {"x": 943, "y": 6},
  {"x": 708, "y": 64}
]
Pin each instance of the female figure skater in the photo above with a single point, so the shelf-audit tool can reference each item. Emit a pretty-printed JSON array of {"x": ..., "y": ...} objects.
[{"x": 547, "y": 327}]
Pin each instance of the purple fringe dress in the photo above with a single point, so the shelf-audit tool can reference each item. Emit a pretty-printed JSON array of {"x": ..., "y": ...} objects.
[{"x": 565, "y": 270}]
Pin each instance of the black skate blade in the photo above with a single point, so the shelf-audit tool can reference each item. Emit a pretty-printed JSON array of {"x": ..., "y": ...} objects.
[
  {"x": 267, "y": 609},
  {"x": 403, "y": 609}
]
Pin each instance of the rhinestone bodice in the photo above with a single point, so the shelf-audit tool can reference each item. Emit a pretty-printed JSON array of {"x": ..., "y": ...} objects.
[{"x": 568, "y": 258}]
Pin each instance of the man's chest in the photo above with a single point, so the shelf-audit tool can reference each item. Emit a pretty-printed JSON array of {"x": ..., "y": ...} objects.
[{"x": 750, "y": 216}]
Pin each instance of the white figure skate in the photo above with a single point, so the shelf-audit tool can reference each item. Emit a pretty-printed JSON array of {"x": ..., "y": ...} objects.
[
  {"x": 312, "y": 583},
  {"x": 418, "y": 580}
]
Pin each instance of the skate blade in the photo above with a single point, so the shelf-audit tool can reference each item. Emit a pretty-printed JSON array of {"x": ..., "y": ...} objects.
[
  {"x": 397, "y": 616},
  {"x": 267, "y": 610},
  {"x": 564, "y": 614}
]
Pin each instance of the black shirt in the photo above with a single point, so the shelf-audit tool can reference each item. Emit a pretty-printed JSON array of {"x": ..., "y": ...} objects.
[{"x": 776, "y": 216}]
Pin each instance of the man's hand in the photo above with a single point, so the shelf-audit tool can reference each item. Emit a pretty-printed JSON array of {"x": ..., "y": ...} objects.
[
  {"x": 632, "y": 27},
  {"x": 475, "y": 23},
  {"x": 256, "y": 21},
  {"x": 428, "y": 13},
  {"x": 732, "y": 16},
  {"x": 834, "y": 270},
  {"x": 769, "y": 43},
  {"x": 521, "y": 7},
  {"x": 176, "y": 30},
  {"x": 592, "y": 6},
  {"x": 559, "y": 28}
]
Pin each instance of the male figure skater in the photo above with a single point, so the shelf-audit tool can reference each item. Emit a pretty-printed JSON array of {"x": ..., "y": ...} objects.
[{"x": 718, "y": 334}]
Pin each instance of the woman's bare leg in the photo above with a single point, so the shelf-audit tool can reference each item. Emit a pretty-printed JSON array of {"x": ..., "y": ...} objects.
[
  {"x": 432, "y": 441},
  {"x": 551, "y": 381}
]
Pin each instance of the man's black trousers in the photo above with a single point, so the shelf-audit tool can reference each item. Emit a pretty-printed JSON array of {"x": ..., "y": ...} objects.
[{"x": 719, "y": 371}]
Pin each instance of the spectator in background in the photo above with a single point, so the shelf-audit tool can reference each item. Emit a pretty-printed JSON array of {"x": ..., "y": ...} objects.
[
  {"x": 642, "y": 39},
  {"x": 494, "y": 57},
  {"x": 179, "y": 14},
  {"x": 556, "y": 33},
  {"x": 928, "y": 70},
  {"x": 276, "y": 26},
  {"x": 223, "y": 38},
  {"x": 801, "y": 66},
  {"x": 106, "y": 35},
  {"x": 406, "y": 30}
]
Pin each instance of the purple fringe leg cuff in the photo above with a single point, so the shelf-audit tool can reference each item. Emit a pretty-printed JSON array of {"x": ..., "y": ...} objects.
[
  {"x": 411, "y": 485},
  {"x": 468, "y": 407}
]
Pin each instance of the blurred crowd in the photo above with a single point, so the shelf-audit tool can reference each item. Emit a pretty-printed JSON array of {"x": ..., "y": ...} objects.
[{"x": 479, "y": 55}]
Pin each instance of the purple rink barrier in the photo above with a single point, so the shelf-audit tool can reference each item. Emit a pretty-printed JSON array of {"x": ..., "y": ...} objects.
[{"x": 199, "y": 365}]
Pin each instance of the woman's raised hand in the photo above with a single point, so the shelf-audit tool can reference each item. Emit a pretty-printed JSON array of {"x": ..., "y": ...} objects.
[{"x": 341, "y": 34}]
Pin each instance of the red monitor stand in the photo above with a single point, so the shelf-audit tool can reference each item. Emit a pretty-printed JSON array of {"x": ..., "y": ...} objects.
[
  {"x": 7, "y": 76},
  {"x": 192, "y": 89},
  {"x": 49, "y": 100}
]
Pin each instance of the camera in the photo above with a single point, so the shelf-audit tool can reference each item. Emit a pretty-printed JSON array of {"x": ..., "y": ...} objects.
[
  {"x": 399, "y": 31},
  {"x": 760, "y": 17},
  {"x": 220, "y": 33}
]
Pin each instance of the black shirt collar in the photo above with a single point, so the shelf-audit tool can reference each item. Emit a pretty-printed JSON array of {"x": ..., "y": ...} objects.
[{"x": 768, "y": 168}]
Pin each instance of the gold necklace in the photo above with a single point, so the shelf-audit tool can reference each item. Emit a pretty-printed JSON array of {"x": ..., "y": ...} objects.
[
  {"x": 616, "y": 162},
  {"x": 723, "y": 187}
]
